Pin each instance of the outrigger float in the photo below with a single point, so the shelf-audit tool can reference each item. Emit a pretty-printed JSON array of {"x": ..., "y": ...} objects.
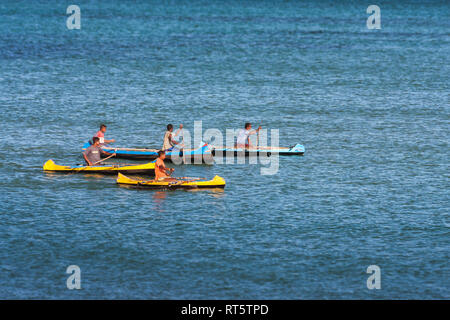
[
  {"x": 297, "y": 150},
  {"x": 180, "y": 183},
  {"x": 148, "y": 168},
  {"x": 205, "y": 153}
]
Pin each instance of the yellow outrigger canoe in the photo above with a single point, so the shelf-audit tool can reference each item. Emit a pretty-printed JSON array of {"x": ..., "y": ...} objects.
[
  {"x": 148, "y": 168},
  {"x": 184, "y": 183}
]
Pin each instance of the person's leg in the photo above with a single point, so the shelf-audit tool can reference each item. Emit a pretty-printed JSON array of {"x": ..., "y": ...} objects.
[{"x": 167, "y": 179}]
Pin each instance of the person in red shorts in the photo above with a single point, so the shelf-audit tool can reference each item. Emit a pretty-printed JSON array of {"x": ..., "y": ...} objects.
[{"x": 101, "y": 135}]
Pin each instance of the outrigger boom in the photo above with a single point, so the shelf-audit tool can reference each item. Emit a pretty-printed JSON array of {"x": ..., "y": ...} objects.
[{"x": 205, "y": 153}]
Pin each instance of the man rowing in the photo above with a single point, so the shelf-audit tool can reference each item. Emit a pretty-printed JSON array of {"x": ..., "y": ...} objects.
[
  {"x": 101, "y": 135},
  {"x": 243, "y": 138},
  {"x": 169, "y": 141},
  {"x": 93, "y": 154},
  {"x": 161, "y": 172}
]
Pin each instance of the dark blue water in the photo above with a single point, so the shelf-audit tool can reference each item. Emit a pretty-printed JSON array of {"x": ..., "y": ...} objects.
[{"x": 370, "y": 106}]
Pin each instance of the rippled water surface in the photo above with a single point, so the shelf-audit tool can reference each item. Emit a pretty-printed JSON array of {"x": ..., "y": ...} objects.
[{"x": 370, "y": 106}]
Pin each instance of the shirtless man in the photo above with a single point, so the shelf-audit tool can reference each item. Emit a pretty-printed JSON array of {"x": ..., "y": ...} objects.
[{"x": 161, "y": 172}]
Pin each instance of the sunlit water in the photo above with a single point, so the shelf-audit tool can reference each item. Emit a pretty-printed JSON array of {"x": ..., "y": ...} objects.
[{"x": 370, "y": 106}]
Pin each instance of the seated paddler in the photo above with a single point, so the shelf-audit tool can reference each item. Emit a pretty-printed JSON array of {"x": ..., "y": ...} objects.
[
  {"x": 101, "y": 135},
  {"x": 243, "y": 138},
  {"x": 92, "y": 155},
  {"x": 169, "y": 138},
  {"x": 162, "y": 173}
]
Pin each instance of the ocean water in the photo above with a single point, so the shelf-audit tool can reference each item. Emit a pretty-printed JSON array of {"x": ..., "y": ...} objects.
[{"x": 370, "y": 106}]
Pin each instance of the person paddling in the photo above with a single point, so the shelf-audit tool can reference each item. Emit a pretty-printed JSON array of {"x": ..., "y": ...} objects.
[
  {"x": 243, "y": 138},
  {"x": 101, "y": 135},
  {"x": 161, "y": 172},
  {"x": 93, "y": 154},
  {"x": 169, "y": 141}
]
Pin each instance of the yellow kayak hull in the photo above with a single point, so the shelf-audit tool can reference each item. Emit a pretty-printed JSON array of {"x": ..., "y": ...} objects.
[
  {"x": 216, "y": 182},
  {"x": 148, "y": 168}
]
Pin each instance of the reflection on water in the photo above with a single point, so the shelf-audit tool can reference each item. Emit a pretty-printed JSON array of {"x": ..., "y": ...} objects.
[
  {"x": 88, "y": 176},
  {"x": 85, "y": 176},
  {"x": 159, "y": 198},
  {"x": 215, "y": 192}
]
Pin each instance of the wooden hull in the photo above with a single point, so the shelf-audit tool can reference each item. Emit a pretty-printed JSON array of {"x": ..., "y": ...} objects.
[
  {"x": 148, "y": 168},
  {"x": 216, "y": 182}
]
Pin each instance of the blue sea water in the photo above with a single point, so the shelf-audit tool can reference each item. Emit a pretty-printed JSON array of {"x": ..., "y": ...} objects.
[{"x": 370, "y": 106}]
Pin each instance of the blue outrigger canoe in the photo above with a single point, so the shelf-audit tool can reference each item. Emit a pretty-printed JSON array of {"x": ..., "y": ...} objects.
[
  {"x": 206, "y": 152},
  {"x": 203, "y": 152}
]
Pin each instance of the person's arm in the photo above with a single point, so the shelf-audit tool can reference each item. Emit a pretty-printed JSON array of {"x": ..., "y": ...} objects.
[
  {"x": 107, "y": 153},
  {"x": 164, "y": 169},
  {"x": 179, "y": 130},
  {"x": 168, "y": 171},
  {"x": 86, "y": 159},
  {"x": 254, "y": 131},
  {"x": 172, "y": 140},
  {"x": 109, "y": 141},
  {"x": 250, "y": 133}
]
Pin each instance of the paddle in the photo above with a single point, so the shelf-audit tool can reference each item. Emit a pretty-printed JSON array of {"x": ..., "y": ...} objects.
[
  {"x": 182, "y": 143},
  {"x": 189, "y": 179},
  {"x": 120, "y": 164},
  {"x": 257, "y": 139},
  {"x": 113, "y": 155},
  {"x": 184, "y": 179}
]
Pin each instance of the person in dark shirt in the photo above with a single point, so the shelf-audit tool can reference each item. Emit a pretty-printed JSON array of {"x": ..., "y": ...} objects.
[{"x": 93, "y": 154}]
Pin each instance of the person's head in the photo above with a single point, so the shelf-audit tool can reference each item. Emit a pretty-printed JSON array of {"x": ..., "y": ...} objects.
[
  {"x": 103, "y": 128},
  {"x": 248, "y": 126},
  {"x": 169, "y": 127},
  {"x": 161, "y": 154},
  {"x": 96, "y": 141}
]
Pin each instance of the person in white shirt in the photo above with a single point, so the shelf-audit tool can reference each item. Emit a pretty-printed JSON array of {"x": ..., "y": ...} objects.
[
  {"x": 243, "y": 140},
  {"x": 169, "y": 141}
]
